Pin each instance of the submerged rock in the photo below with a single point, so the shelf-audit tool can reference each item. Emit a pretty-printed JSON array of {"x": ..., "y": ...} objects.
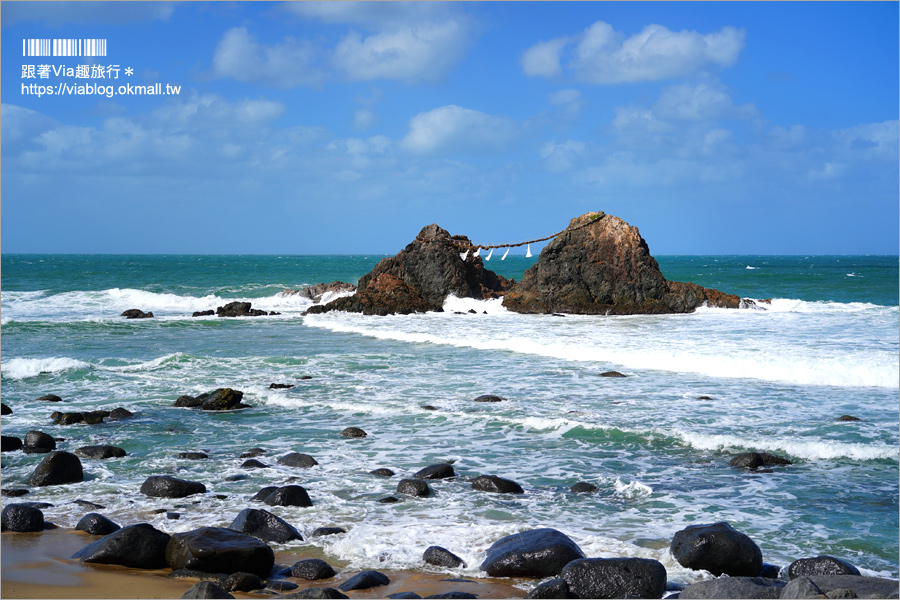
[
  {"x": 583, "y": 487},
  {"x": 239, "y": 309},
  {"x": 57, "y": 468},
  {"x": 135, "y": 313},
  {"x": 298, "y": 460},
  {"x": 497, "y": 485},
  {"x": 490, "y": 398},
  {"x": 353, "y": 432},
  {"x": 420, "y": 277},
  {"x": 48, "y": 398},
  {"x": 92, "y": 417},
  {"x": 717, "y": 548},
  {"x": 289, "y": 495},
  {"x": 317, "y": 291},
  {"x": 535, "y": 553},
  {"x": 321, "y": 531},
  {"x": 101, "y": 452},
  {"x": 414, "y": 487},
  {"x": 38, "y": 441},
  {"x": 439, "y": 471},
  {"x": 166, "y": 486},
  {"x": 754, "y": 460},
  {"x": 193, "y": 455},
  {"x": 602, "y": 265},
  {"x": 120, "y": 413}
]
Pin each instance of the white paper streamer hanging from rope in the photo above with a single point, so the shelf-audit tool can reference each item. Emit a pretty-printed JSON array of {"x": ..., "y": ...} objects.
[
  {"x": 528, "y": 253},
  {"x": 504, "y": 254},
  {"x": 490, "y": 254},
  {"x": 464, "y": 255},
  {"x": 477, "y": 252}
]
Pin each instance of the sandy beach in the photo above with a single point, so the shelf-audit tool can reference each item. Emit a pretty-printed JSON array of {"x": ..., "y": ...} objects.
[{"x": 37, "y": 565}]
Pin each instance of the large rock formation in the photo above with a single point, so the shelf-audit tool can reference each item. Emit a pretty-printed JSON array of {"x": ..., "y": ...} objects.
[
  {"x": 420, "y": 277},
  {"x": 599, "y": 265},
  {"x": 602, "y": 265}
]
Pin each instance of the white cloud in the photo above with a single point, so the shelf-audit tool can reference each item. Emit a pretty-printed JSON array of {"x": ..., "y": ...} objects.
[
  {"x": 543, "y": 59},
  {"x": 569, "y": 104},
  {"x": 635, "y": 119},
  {"x": 414, "y": 53},
  {"x": 565, "y": 97},
  {"x": 876, "y": 138},
  {"x": 412, "y": 42},
  {"x": 375, "y": 145},
  {"x": 826, "y": 171},
  {"x": 364, "y": 118},
  {"x": 561, "y": 156},
  {"x": 602, "y": 55},
  {"x": 19, "y": 125},
  {"x": 288, "y": 64},
  {"x": 203, "y": 111},
  {"x": 452, "y": 129},
  {"x": 700, "y": 102}
]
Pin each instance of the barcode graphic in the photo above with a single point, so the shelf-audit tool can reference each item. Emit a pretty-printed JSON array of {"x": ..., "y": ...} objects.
[{"x": 63, "y": 47}]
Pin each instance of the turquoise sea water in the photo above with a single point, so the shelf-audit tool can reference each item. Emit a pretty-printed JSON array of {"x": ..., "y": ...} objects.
[{"x": 775, "y": 380}]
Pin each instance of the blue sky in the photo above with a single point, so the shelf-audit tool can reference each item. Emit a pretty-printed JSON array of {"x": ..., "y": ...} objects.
[{"x": 343, "y": 127}]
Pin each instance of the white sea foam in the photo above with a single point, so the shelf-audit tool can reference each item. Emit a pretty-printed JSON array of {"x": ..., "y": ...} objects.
[
  {"x": 23, "y": 368},
  {"x": 631, "y": 490},
  {"x": 147, "y": 365},
  {"x": 107, "y": 305},
  {"x": 490, "y": 306},
  {"x": 823, "y": 349},
  {"x": 796, "y": 447}
]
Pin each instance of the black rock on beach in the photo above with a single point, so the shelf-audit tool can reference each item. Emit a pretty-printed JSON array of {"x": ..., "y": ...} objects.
[
  {"x": 535, "y": 553},
  {"x": 219, "y": 550}
]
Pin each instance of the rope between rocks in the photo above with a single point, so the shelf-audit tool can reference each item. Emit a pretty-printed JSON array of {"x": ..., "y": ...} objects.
[{"x": 470, "y": 246}]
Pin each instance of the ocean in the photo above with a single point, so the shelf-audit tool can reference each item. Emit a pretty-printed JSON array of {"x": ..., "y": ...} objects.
[{"x": 699, "y": 388}]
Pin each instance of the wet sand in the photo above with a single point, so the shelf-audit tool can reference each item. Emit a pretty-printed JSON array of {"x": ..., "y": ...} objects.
[{"x": 38, "y": 565}]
